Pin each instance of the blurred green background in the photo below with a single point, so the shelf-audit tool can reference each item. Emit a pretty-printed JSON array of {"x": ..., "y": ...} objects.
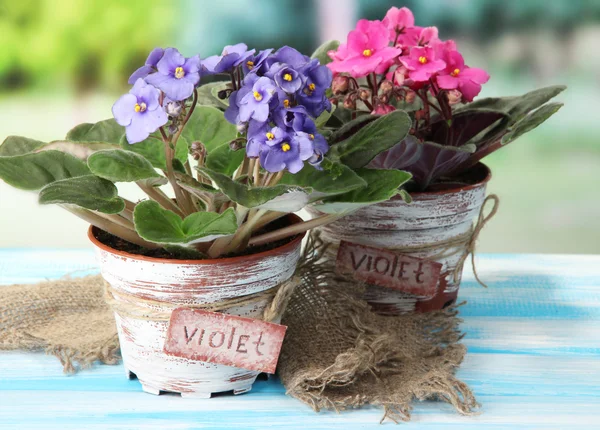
[{"x": 63, "y": 62}]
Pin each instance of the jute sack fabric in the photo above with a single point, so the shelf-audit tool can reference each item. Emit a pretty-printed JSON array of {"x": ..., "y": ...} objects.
[{"x": 336, "y": 354}]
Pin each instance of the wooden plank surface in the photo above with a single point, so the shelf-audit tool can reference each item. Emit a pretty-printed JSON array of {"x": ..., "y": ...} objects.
[{"x": 534, "y": 362}]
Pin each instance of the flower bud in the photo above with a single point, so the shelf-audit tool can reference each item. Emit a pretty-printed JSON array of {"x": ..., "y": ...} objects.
[
  {"x": 382, "y": 109},
  {"x": 173, "y": 127},
  {"x": 235, "y": 145},
  {"x": 420, "y": 114},
  {"x": 410, "y": 96},
  {"x": 242, "y": 127},
  {"x": 340, "y": 84},
  {"x": 334, "y": 101},
  {"x": 173, "y": 109},
  {"x": 386, "y": 87},
  {"x": 197, "y": 146},
  {"x": 399, "y": 76},
  {"x": 454, "y": 97},
  {"x": 364, "y": 94},
  {"x": 384, "y": 98},
  {"x": 350, "y": 102}
]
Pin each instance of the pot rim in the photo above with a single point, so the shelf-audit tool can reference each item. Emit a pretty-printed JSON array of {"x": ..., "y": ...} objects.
[
  {"x": 484, "y": 181},
  {"x": 259, "y": 255}
]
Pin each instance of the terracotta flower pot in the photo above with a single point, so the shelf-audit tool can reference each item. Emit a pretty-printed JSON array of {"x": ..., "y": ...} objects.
[
  {"x": 432, "y": 220},
  {"x": 185, "y": 282}
]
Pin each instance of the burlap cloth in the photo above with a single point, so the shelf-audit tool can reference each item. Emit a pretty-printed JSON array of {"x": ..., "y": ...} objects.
[{"x": 336, "y": 354}]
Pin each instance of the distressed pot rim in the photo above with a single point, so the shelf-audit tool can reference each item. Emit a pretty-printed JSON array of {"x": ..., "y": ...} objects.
[
  {"x": 293, "y": 218},
  {"x": 485, "y": 180}
]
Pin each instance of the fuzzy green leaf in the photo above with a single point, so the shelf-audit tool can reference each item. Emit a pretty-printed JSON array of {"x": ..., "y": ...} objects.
[
  {"x": 206, "y": 97},
  {"x": 81, "y": 150},
  {"x": 321, "y": 52},
  {"x": 117, "y": 165},
  {"x": 382, "y": 185},
  {"x": 19, "y": 145},
  {"x": 153, "y": 150},
  {"x": 35, "y": 170},
  {"x": 223, "y": 160},
  {"x": 159, "y": 225},
  {"x": 209, "y": 126},
  {"x": 334, "y": 178},
  {"x": 245, "y": 195},
  {"x": 531, "y": 121},
  {"x": 90, "y": 192},
  {"x": 377, "y": 136},
  {"x": 104, "y": 131}
]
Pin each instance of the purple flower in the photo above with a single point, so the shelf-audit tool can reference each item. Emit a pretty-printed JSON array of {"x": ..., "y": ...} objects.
[
  {"x": 279, "y": 149},
  {"x": 286, "y": 78},
  {"x": 149, "y": 67},
  {"x": 255, "y": 103},
  {"x": 255, "y": 64},
  {"x": 289, "y": 56},
  {"x": 177, "y": 76},
  {"x": 232, "y": 56},
  {"x": 139, "y": 112},
  {"x": 313, "y": 94},
  {"x": 295, "y": 118}
]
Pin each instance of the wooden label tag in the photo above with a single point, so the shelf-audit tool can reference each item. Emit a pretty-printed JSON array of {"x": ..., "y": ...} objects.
[
  {"x": 224, "y": 339},
  {"x": 389, "y": 269}
]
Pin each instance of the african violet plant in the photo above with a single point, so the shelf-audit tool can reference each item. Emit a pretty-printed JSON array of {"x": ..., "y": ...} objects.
[
  {"x": 393, "y": 64},
  {"x": 238, "y": 154}
]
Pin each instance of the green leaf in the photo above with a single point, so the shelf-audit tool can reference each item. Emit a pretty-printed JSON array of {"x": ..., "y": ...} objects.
[
  {"x": 321, "y": 52},
  {"x": 378, "y": 136},
  {"x": 531, "y": 121},
  {"x": 159, "y": 225},
  {"x": 81, "y": 150},
  {"x": 334, "y": 178},
  {"x": 245, "y": 195},
  {"x": 223, "y": 160},
  {"x": 117, "y": 165},
  {"x": 216, "y": 89},
  {"x": 206, "y": 97},
  {"x": 324, "y": 117},
  {"x": 153, "y": 150},
  {"x": 90, "y": 192},
  {"x": 350, "y": 127},
  {"x": 35, "y": 170},
  {"x": 209, "y": 126},
  {"x": 18, "y": 145},
  {"x": 104, "y": 131},
  {"x": 382, "y": 185}
]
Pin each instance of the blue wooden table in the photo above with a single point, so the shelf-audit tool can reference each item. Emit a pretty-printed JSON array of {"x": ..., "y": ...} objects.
[{"x": 533, "y": 362}]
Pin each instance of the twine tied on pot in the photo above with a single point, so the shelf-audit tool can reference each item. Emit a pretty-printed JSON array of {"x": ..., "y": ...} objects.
[
  {"x": 465, "y": 243},
  {"x": 133, "y": 306}
]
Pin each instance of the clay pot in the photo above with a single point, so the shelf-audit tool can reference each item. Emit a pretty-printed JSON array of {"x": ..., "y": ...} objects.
[
  {"x": 184, "y": 282},
  {"x": 432, "y": 218}
]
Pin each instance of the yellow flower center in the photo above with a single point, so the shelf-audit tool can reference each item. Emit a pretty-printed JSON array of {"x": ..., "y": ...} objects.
[
  {"x": 455, "y": 72},
  {"x": 367, "y": 53},
  {"x": 287, "y": 77},
  {"x": 312, "y": 86},
  {"x": 250, "y": 64},
  {"x": 286, "y": 103},
  {"x": 285, "y": 147},
  {"x": 140, "y": 107},
  {"x": 312, "y": 136},
  {"x": 258, "y": 96},
  {"x": 423, "y": 60},
  {"x": 270, "y": 136},
  {"x": 179, "y": 73}
]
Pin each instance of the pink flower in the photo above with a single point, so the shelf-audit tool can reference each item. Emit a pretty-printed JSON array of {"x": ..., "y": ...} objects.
[
  {"x": 422, "y": 64},
  {"x": 382, "y": 109},
  {"x": 428, "y": 36},
  {"x": 457, "y": 76},
  {"x": 401, "y": 26},
  {"x": 398, "y": 76},
  {"x": 367, "y": 50}
]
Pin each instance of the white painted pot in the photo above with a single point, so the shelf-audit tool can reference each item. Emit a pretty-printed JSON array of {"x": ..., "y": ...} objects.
[
  {"x": 185, "y": 282},
  {"x": 432, "y": 218}
]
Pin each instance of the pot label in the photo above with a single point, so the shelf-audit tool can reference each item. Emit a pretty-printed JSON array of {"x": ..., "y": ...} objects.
[
  {"x": 389, "y": 269},
  {"x": 224, "y": 339}
]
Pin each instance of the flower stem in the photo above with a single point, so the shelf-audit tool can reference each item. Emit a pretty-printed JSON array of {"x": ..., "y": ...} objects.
[
  {"x": 110, "y": 227},
  {"x": 161, "y": 198},
  {"x": 294, "y": 229}
]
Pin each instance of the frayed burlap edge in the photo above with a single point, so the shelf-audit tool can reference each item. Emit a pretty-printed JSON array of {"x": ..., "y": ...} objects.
[
  {"x": 339, "y": 355},
  {"x": 67, "y": 318}
]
